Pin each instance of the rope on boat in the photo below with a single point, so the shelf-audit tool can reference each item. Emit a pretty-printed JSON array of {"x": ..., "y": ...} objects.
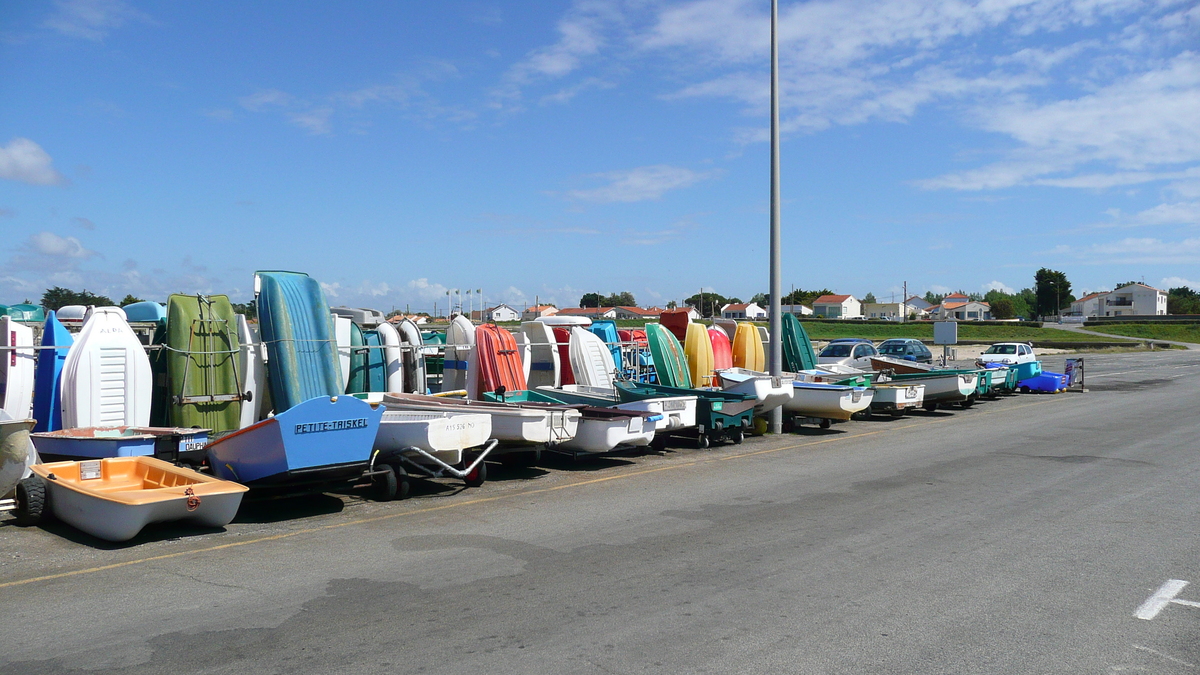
[{"x": 193, "y": 502}]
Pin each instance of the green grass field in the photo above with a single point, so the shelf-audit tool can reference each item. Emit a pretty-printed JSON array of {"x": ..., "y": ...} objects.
[{"x": 1153, "y": 331}]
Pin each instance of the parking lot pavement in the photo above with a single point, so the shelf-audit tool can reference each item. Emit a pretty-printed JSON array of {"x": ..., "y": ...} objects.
[{"x": 1029, "y": 534}]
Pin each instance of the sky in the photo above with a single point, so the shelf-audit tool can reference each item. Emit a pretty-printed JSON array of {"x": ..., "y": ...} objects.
[{"x": 537, "y": 151}]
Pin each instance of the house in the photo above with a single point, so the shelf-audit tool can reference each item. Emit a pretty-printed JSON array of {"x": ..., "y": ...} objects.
[
  {"x": 837, "y": 307},
  {"x": 532, "y": 313},
  {"x": 1088, "y": 305},
  {"x": 798, "y": 310},
  {"x": 635, "y": 313},
  {"x": 962, "y": 310},
  {"x": 919, "y": 303},
  {"x": 501, "y": 313},
  {"x": 745, "y": 310},
  {"x": 589, "y": 312},
  {"x": 889, "y": 310},
  {"x": 1133, "y": 300}
]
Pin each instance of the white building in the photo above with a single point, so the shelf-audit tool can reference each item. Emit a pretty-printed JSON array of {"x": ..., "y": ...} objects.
[
  {"x": 1133, "y": 300},
  {"x": 919, "y": 303},
  {"x": 837, "y": 307},
  {"x": 501, "y": 313},
  {"x": 1088, "y": 305},
  {"x": 970, "y": 310},
  {"x": 745, "y": 310},
  {"x": 889, "y": 310},
  {"x": 798, "y": 310},
  {"x": 589, "y": 312}
]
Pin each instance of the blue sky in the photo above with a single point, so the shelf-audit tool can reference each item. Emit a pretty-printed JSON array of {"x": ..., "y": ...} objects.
[{"x": 547, "y": 149}]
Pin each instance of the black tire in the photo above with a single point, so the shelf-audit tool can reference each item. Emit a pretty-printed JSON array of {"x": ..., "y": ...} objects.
[
  {"x": 384, "y": 485},
  {"x": 968, "y": 403},
  {"x": 737, "y": 436},
  {"x": 825, "y": 423},
  {"x": 659, "y": 443},
  {"x": 930, "y": 407},
  {"x": 31, "y": 501},
  {"x": 702, "y": 441},
  {"x": 477, "y": 477},
  {"x": 897, "y": 413},
  {"x": 402, "y": 483}
]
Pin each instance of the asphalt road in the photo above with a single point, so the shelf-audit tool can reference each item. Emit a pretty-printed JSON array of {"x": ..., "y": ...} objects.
[{"x": 1020, "y": 536}]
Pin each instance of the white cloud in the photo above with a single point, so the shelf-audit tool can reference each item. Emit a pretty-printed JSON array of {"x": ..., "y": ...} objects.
[
  {"x": 1136, "y": 250},
  {"x": 264, "y": 98},
  {"x": 52, "y": 245},
  {"x": 938, "y": 289},
  {"x": 25, "y": 161},
  {"x": 640, "y": 184},
  {"x": 85, "y": 223},
  {"x": 1176, "y": 282},
  {"x": 998, "y": 286},
  {"x": 330, "y": 290},
  {"x": 316, "y": 121},
  {"x": 92, "y": 19}
]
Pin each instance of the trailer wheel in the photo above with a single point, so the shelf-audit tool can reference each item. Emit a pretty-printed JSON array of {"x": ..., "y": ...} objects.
[
  {"x": 31, "y": 500},
  {"x": 1024, "y": 390},
  {"x": 384, "y": 485},
  {"x": 898, "y": 413},
  {"x": 477, "y": 476},
  {"x": 825, "y": 423},
  {"x": 402, "y": 483},
  {"x": 930, "y": 407},
  {"x": 737, "y": 436},
  {"x": 702, "y": 441},
  {"x": 659, "y": 443}
]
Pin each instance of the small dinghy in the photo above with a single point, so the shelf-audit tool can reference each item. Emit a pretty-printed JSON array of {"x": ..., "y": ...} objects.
[
  {"x": 167, "y": 443},
  {"x": 113, "y": 499},
  {"x": 770, "y": 392},
  {"x": 432, "y": 443},
  {"x": 510, "y": 423},
  {"x": 16, "y": 453},
  {"x": 827, "y": 401}
]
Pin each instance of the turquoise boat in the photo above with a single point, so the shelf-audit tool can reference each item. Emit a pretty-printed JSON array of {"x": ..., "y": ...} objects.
[
  {"x": 297, "y": 331},
  {"x": 607, "y": 331},
  {"x": 798, "y": 351},
  {"x": 368, "y": 366},
  {"x": 145, "y": 312},
  {"x": 24, "y": 312}
]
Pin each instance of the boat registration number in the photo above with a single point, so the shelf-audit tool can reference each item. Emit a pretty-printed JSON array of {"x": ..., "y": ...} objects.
[
  {"x": 89, "y": 470},
  {"x": 635, "y": 425},
  {"x": 911, "y": 392},
  {"x": 669, "y": 406}
]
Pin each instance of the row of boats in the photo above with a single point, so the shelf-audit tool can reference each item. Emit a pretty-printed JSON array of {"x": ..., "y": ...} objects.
[{"x": 116, "y": 418}]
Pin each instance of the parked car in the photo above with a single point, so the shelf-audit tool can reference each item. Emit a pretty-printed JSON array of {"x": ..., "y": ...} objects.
[
  {"x": 907, "y": 349},
  {"x": 1008, "y": 353},
  {"x": 853, "y": 352}
]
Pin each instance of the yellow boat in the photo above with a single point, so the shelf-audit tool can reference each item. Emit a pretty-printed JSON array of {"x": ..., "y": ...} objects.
[
  {"x": 697, "y": 347},
  {"x": 748, "y": 348},
  {"x": 115, "y": 498}
]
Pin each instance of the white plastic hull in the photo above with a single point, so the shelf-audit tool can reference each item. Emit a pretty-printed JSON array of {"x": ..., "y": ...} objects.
[
  {"x": 828, "y": 402},
  {"x": 16, "y": 369},
  {"x": 895, "y": 397},
  {"x": 393, "y": 358},
  {"x": 114, "y": 521},
  {"x": 341, "y": 336},
  {"x": 544, "y": 364},
  {"x": 678, "y": 412},
  {"x": 252, "y": 370},
  {"x": 443, "y": 435},
  {"x": 106, "y": 378},
  {"x": 510, "y": 424},
  {"x": 591, "y": 361},
  {"x": 605, "y": 435},
  {"x": 770, "y": 392}
]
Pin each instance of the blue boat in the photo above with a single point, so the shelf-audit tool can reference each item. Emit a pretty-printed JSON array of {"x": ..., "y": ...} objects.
[
  {"x": 145, "y": 312},
  {"x": 47, "y": 404},
  {"x": 1046, "y": 382},
  {"x": 321, "y": 440},
  {"x": 24, "y": 312},
  {"x": 169, "y": 443},
  {"x": 607, "y": 331},
  {"x": 296, "y": 328}
]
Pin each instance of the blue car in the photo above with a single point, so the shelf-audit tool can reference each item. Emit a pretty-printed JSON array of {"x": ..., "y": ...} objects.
[{"x": 907, "y": 349}]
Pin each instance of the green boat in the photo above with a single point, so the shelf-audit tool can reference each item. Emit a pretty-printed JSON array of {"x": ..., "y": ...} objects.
[
  {"x": 202, "y": 349},
  {"x": 798, "y": 351},
  {"x": 670, "y": 364},
  {"x": 368, "y": 367}
]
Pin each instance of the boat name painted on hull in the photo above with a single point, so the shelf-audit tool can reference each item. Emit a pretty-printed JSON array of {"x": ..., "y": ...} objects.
[{"x": 331, "y": 425}]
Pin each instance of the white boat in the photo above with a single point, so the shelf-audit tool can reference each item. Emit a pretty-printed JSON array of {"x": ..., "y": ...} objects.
[
  {"x": 606, "y": 429},
  {"x": 393, "y": 358},
  {"x": 828, "y": 401},
  {"x": 543, "y": 363},
  {"x": 525, "y": 352},
  {"x": 252, "y": 369},
  {"x": 770, "y": 392},
  {"x": 115, "y": 498},
  {"x": 555, "y": 320},
  {"x": 364, "y": 317},
  {"x": 16, "y": 453},
  {"x": 341, "y": 337},
  {"x": 444, "y": 435},
  {"x": 511, "y": 423},
  {"x": 591, "y": 360},
  {"x": 678, "y": 412},
  {"x": 16, "y": 368},
  {"x": 414, "y": 357},
  {"x": 460, "y": 346},
  {"x": 73, "y": 314},
  {"x": 106, "y": 378},
  {"x": 896, "y": 399}
]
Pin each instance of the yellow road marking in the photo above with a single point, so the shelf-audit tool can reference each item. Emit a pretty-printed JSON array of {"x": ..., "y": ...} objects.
[{"x": 484, "y": 500}]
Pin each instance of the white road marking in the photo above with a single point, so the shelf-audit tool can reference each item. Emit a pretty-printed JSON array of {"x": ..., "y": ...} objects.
[
  {"x": 1186, "y": 603},
  {"x": 1161, "y": 598},
  {"x": 1165, "y": 656}
]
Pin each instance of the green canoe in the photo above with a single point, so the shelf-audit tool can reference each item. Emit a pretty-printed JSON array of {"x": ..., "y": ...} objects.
[
  {"x": 798, "y": 352},
  {"x": 202, "y": 347},
  {"x": 669, "y": 361}
]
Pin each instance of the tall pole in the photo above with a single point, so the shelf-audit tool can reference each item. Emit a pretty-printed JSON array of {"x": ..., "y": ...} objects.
[{"x": 776, "y": 358}]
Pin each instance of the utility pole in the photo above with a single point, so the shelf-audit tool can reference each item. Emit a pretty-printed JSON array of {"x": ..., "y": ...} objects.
[
  {"x": 776, "y": 357},
  {"x": 904, "y": 304}
]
